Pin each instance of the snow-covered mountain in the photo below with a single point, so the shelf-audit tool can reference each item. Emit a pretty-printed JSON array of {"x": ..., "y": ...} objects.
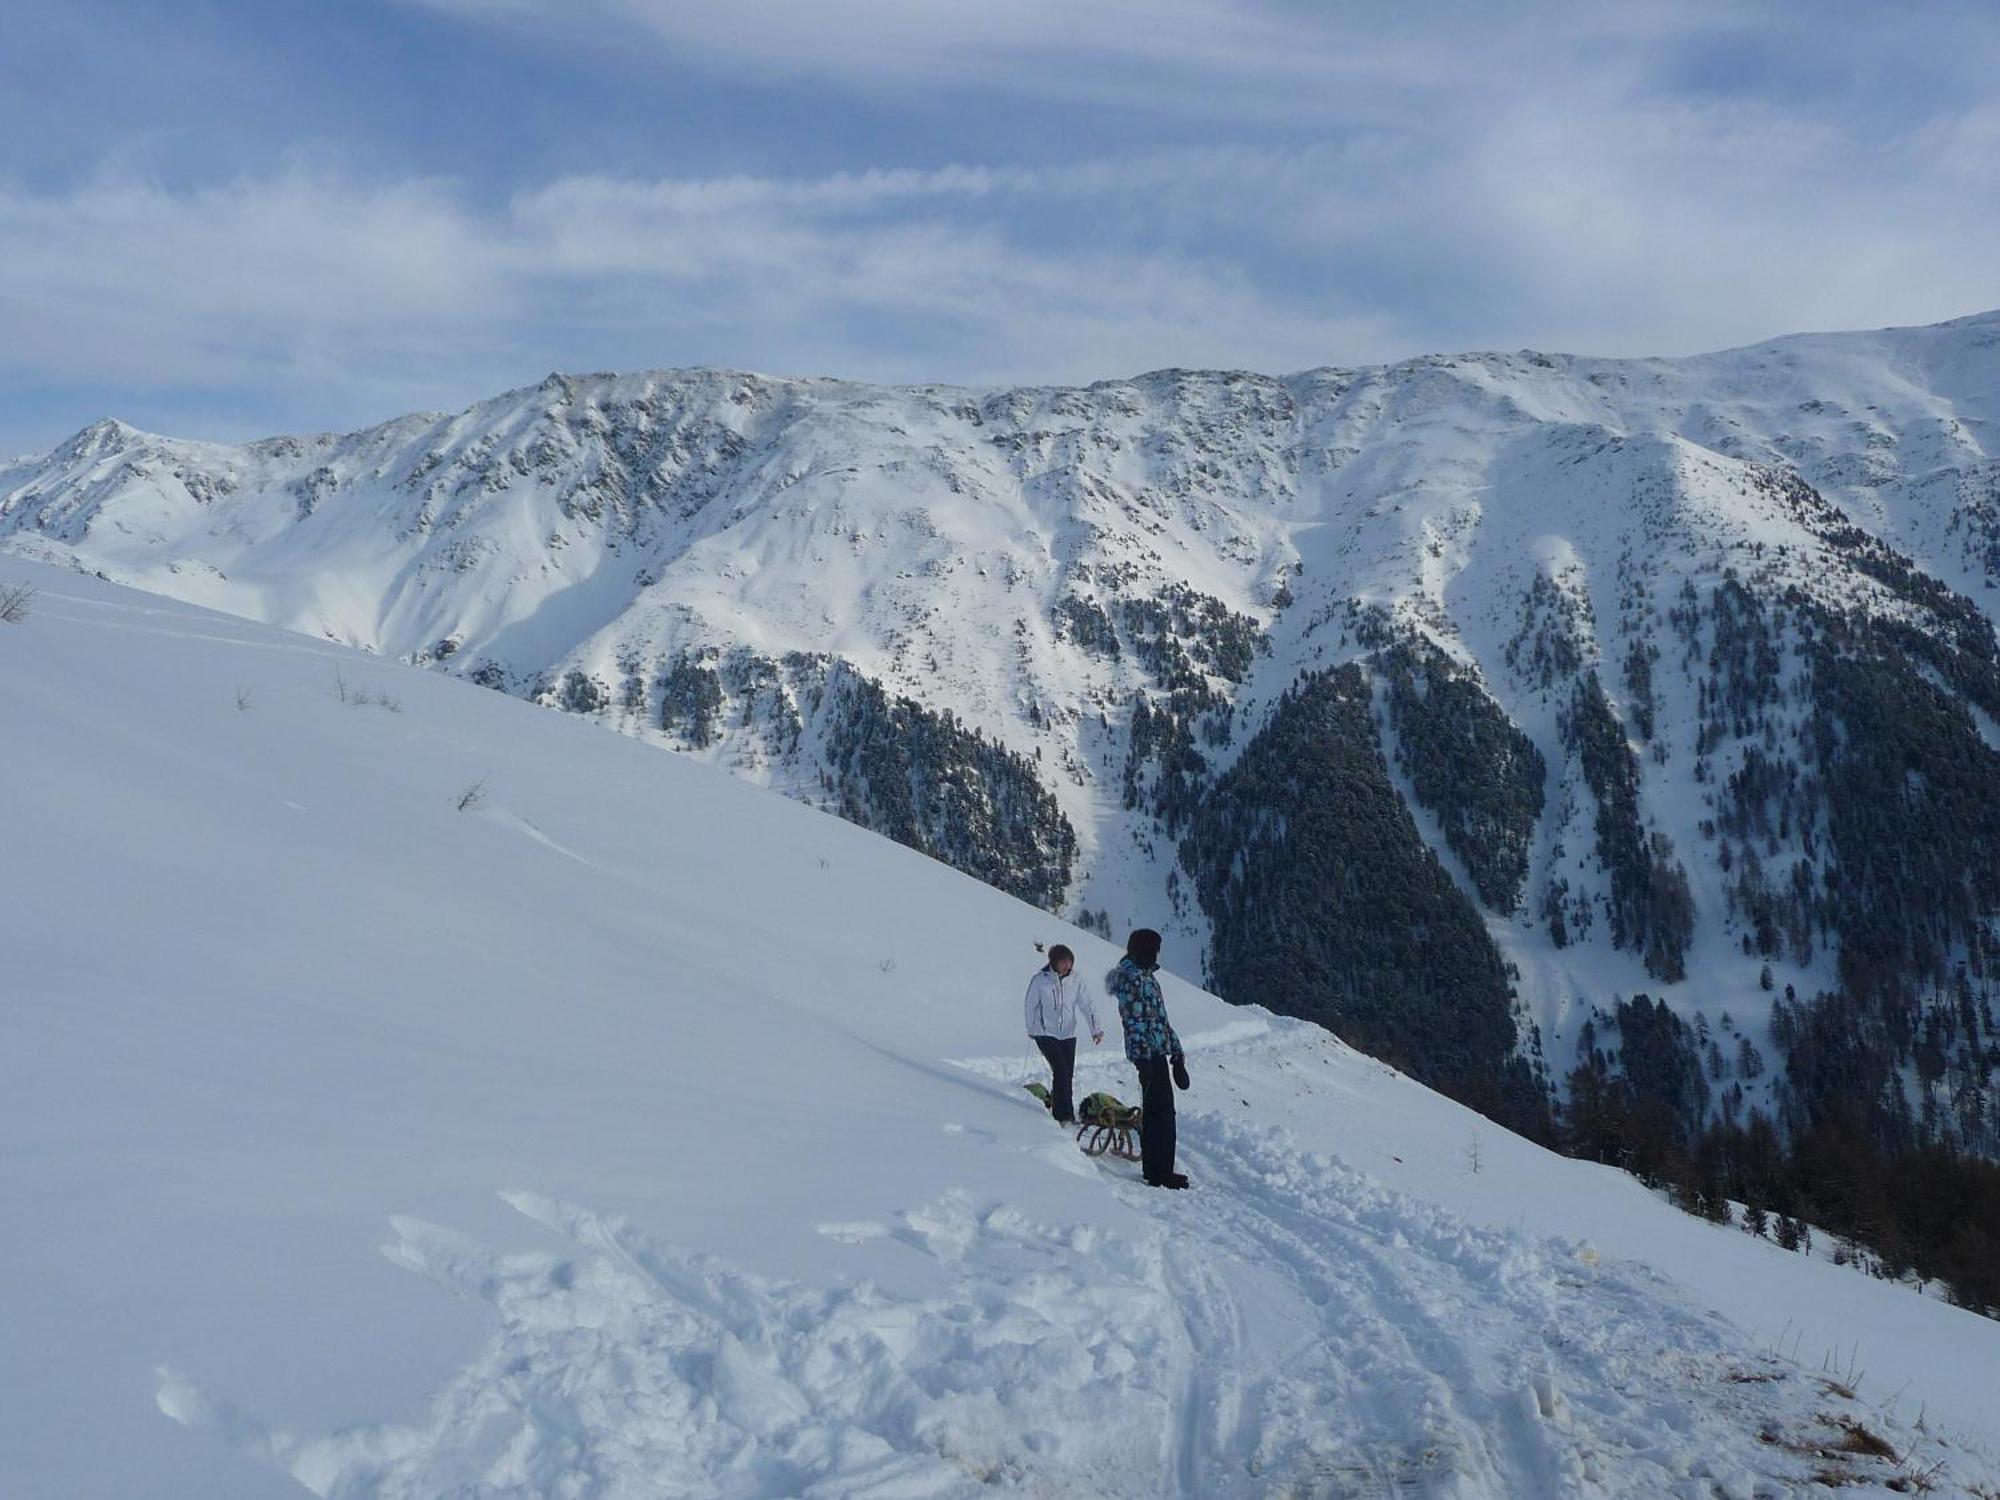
[
  {"x": 409, "y": 1093},
  {"x": 1454, "y": 702}
]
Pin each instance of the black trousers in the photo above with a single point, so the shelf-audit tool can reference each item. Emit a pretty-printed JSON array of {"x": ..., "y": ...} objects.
[
  {"x": 1061, "y": 1054},
  {"x": 1156, "y": 1125}
]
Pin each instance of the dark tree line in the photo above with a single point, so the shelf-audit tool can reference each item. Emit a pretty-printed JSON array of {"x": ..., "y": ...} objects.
[
  {"x": 1468, "y": 763},
  {"x": 1912, "y": 812},
  {"x": 1859, "y": 809},
  {"x": 925, "y": 780},
  {"x": 1179, "y": 632},
  {"x": 1326, "y": 904},
  {"x": 1164, "y": 738},
  {"x": 887, "y": 763},
  {"x": 1925, "y": 1208},
  {"x": 1652, "y": 912},
  {"x": 1084, "y": 621},
  {"x": 690, "y": 700},
  {"x": 580, "y": 693},
  {"x": 1183, "y": 639},
  {"x": 1544, "y": 649}
]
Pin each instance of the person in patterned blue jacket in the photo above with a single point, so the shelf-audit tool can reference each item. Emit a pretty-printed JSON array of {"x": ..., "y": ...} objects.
[{"x": 1154, "y": 1050}]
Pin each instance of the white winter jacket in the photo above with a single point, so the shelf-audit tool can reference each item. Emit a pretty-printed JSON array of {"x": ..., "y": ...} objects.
[{"x": 1054, "y": 1001}]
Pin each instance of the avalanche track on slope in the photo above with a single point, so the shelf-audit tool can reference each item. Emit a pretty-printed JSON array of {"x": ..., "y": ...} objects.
[{"x": 1290, "y": 1328}]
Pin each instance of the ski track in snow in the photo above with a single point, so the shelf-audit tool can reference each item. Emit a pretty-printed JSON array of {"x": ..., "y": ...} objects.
[{"x": 1395, "y": 1352}]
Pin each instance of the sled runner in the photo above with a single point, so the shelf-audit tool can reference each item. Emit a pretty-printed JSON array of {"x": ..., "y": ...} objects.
[{"x": 1107, "y": 1124}]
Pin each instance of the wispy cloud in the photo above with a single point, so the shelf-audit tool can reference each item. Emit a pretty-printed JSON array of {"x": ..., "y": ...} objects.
[
  {"x": 1357, "y": 63},
  {"x": 388, "y": 290},
  {"x": 1313, "y": 185}
]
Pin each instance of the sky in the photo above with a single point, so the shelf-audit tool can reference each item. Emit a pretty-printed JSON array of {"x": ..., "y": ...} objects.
[{"x": 230, "y": 218}]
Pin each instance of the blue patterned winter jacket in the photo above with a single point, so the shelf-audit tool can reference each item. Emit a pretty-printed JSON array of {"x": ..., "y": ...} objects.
[{"x": 1142, "y": 1011}]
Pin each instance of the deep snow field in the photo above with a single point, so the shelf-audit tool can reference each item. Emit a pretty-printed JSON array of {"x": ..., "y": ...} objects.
[{"x": 632, "y": 1131}]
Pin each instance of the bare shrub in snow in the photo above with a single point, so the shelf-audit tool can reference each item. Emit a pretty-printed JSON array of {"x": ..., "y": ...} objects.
[
  {"x": 14, "y": 603},
  {"x": 473, "y": 797},
  {"x": 360, "y": 698}
]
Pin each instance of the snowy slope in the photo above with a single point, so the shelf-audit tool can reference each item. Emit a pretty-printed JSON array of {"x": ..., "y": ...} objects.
[
  {"x": 634, "y": 1131},
  {"x": 689, "y": 555}
]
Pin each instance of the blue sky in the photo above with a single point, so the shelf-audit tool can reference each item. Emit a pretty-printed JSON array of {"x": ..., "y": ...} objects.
[{"x": 232, "y": 217}]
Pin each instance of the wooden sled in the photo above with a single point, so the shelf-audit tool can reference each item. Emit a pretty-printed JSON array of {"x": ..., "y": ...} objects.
[{"x": 1108, "y": 1126}]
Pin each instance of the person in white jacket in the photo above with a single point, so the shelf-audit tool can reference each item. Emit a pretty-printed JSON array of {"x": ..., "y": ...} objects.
[{"x": 1056, "y": 997}]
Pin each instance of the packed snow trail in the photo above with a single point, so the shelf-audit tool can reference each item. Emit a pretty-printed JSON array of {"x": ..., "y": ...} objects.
[{"x": 1290, "y": 1328}]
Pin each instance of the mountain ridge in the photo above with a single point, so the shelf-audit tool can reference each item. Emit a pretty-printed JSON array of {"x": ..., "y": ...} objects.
[
  {"x": 562, "y": 377},
  {"x": 1033, "y": 631}
]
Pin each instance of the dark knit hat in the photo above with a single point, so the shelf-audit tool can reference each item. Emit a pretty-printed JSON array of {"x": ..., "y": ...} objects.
[{"x": 1143, "y": 947}]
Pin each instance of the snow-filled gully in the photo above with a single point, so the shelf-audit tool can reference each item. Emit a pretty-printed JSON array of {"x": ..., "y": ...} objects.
[{"x": 1289, "y": 1328}]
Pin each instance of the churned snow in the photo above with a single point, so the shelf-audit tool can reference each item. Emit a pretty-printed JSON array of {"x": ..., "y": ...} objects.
[{"x": 630, "y": 1131}]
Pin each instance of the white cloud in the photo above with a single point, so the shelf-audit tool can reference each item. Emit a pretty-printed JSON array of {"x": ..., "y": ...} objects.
[
  {"x": 1417, "y": 64},
  {"x": 126, "y": 280},
  {"x": 406, "y": 291},
  {"x": 954, "y": 262},
  {"x": 1677, "y": 227},
  {"x": 1513, "y": 186}
]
